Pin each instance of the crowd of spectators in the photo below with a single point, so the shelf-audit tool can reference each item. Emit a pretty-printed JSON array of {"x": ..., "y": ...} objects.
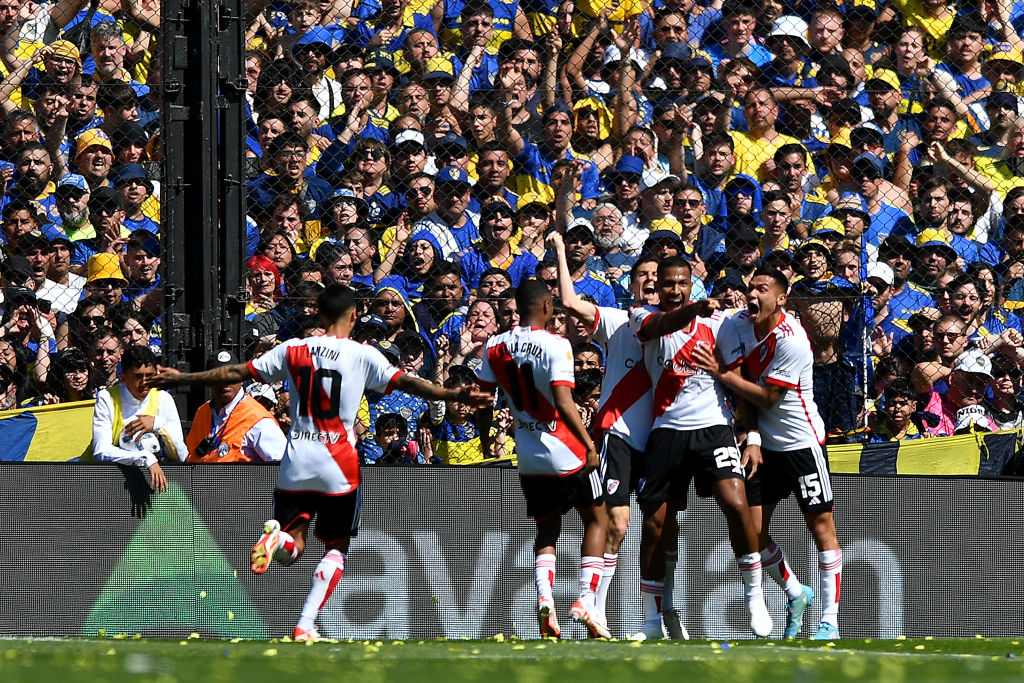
[{"x": 421, "y": 151}]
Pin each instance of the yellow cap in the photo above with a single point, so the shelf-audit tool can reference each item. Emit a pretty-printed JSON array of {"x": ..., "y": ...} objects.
[
  {"x": 932, "y": 235},
  {"x": 65, "y": 49},
  {"x": 842, "y": 139},
  {"x": 532, "y": 198},
  {"x": 91, "y": 138},
  {"x": 828, "y": 224},
  {"x": 887, "y": 76},
  {"x": 814, "y": 242},
  {"x": 667, "y": 223},
  {"x": 1006, "y": 52},
  {"x": 104, "y": 266},
  {"x": 438, "y": 65}
]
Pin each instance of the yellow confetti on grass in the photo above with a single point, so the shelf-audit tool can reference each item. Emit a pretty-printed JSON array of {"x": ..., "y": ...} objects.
[
  {"x": 499, "y": 637},
  {"x": 111, "y": 652},
  {"x": 270, "y": 652},
  {"x": 919, "y": 647},
  {"x": 518, "y": 647},
  {"x": 193, "y": 636}
]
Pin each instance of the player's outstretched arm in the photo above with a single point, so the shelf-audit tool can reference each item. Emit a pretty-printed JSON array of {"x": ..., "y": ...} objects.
[
  {"x": 228, "y": 374},
  {"x": 570, "y": 415},
  {"x": 411, "y": 384},
  {"x": 660, "y": 324},
  {"x": 763, "y": 397}
]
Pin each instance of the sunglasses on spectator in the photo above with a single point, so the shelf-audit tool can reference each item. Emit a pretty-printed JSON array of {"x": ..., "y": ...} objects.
[
  {"x": 669, "y": 123},
  {"x": 422, "y": 190},
  {"x": 93, "y": 319},
  {"x": 1005, "y": 372},
  {"x": 369, "y": 155},
  {"x": 292, "y": 153},
  {"x": 553, "y": 282},
  {"x": 949, "y": 336},
  {"x": 692, "y": 203}
]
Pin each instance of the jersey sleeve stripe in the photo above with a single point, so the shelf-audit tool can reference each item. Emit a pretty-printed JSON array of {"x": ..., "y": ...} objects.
[
  {"x": 735, "y": 364},
  {"x": 564, "y": 383},
  {"x": 597, "y": 319},
  {"x": 391, "y": 383},
  {"x": 780, "y": 383},
  {"x": 255, "y": 374}
]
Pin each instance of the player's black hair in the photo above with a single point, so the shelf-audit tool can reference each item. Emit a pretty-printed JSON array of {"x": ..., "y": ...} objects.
[
  {"x": 673, "y": 262},
  {"x": 460, "y": 376},
  {"x": 777, "y": 275},
  {"x": 335, "y": 302},
  {"x": 137, "y": 357},
  {"x": 530, "y": 295}
]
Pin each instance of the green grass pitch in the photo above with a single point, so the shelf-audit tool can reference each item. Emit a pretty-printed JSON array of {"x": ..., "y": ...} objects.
[{"x": 195, "y": 660}]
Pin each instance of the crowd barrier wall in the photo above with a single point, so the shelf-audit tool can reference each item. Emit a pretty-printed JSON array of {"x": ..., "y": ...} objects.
[
  {"x": 64, "y": 432},
  {"x": 447, "y": 552}
]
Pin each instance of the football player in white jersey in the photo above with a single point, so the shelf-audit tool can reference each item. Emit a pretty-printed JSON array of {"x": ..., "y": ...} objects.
[
  {"x": 766, "y": 360},
  {"x": 691, "y": 439},
  {"x": 557, "y": 459},
  {"x": 319, "y": 475},
  {"x": 623, "y": 418}
]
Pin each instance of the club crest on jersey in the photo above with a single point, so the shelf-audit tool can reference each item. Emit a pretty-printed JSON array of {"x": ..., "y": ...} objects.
[
  {"x": 612, "y": 486},
  {"x": 763, "y": 353}
]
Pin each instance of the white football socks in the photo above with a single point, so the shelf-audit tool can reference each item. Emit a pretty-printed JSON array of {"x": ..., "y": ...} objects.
[
  {"x": 544, "y": 575},
  {"x": 830, "y": 566},
  {"x": 773, "y": 561},
  {"x": 601, "y": 600},
  {"x": 326, "y": 577}
]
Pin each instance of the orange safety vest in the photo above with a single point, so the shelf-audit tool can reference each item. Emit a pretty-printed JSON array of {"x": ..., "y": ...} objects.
[{"x": 244, "y": 417}]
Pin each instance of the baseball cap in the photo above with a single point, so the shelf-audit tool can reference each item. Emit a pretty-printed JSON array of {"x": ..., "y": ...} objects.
[
  {"x": 699, "y": 60},
  {"x": 31, "y": 240},
  {"x": 828, "y": 225},
  {"x": 896, "y": 243},
  {"x": 867, "y": 162},
  {"x": 658, "y": 235},
  {"x": 129, "y": 133},
  {"x": 317, "y": 35},
  {"x": 103, "y": 198},
  {"x": 730, "y": 279},
  {"x": 882, "y": 271},
  {"x": 742, "y": 233},
  {"x": 125, "y": 172},
  {"x": 1006, "y": 52},
  {"x": 451, "y": 140},
  {"x": 813, "y": 244},
  {"x": 104, "y": 266},
  {"x": 371, "y": 320},
  {"x": 1003, "y": 99},
  {"x": 627, "y": 165},
  {"x": 381, "y": 62},
  {"x": 667, "y": 224},
  {"x": 579, "y": 231},
  {"x": 410, "y": 135},
  {"x": 841, "y": 139},
  {"x": 343, "y": 194},
  {"x": 975, "y": 362},
  {"x": 651, "y": 178},
  {"x": 676, "y": 50},
  {"x": 147, "y": 241},
  {"x": 887, "y": 77},
  {"x": 220, "y": 358},
  {"x": 851, "y": 201},
  {"x": 91, "y": 138},
  {"x": 451, "y": 175},
  {"x": 923, "y": 317},
  {"x": 65, "y": 49},
  {"x": 792, "y": 27},
  {"x": 73, "y": 181},
  {"x": 389, "y": 350},
  {"x": 933, "y": 237},
  {"x": 16, "y": 269},
  {"x": 438, "y": 67}
]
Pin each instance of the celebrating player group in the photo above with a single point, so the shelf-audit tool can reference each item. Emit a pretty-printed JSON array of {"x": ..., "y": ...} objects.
[{"x": 663, "y": 421}]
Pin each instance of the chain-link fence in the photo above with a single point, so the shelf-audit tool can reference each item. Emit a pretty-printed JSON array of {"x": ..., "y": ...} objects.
[
  {"x": 81, "y": 176},
  {"x": 423, "y": 151}
]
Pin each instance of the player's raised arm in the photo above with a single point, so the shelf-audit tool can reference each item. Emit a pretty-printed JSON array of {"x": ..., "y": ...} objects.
[
  {"x": 675, "y": 281},
  {"x": 218, "y": 377},
  {"x": 471, "y": 395}
]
